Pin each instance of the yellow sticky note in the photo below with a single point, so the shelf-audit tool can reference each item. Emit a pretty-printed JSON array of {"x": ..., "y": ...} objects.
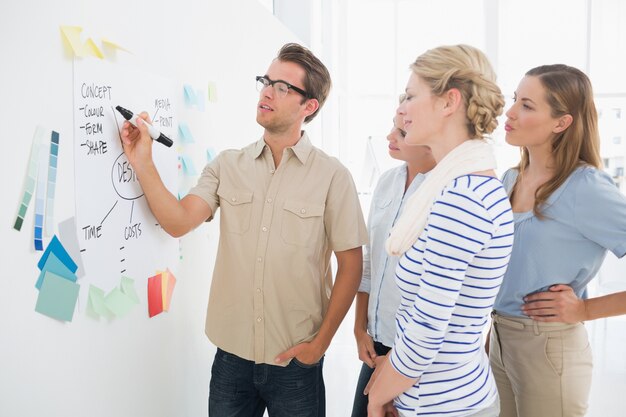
[
  {"x": 71, "y": 34},
  {"x": 90, "y": 48},
  {"x": 109, "y": 44},
  {"x": 212, "y": 95}
]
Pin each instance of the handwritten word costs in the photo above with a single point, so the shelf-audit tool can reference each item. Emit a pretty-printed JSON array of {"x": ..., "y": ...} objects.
[{"x": 133, "y": 231}]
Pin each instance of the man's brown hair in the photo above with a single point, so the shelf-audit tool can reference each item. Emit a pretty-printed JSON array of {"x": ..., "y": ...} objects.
[{"x": 317, "y": 80}]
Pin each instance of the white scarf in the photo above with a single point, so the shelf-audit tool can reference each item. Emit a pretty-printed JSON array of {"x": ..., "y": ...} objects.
[{"x": 473, "y": 155}]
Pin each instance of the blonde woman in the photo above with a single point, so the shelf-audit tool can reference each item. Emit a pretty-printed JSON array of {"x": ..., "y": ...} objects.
[
  {"x": 454, "y": 241},
  {"x": 568, "y": 213}
]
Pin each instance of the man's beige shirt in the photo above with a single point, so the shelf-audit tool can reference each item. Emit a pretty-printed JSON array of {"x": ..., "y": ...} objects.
[{"x": 272, "y": 278}]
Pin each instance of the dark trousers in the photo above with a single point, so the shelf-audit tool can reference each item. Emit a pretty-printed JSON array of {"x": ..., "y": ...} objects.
[
  {"x": 359, "y": 407},
  {"x": 241, "y": 388}
]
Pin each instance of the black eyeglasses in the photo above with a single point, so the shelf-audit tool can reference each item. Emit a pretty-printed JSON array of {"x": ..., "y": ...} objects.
[{"x": 280, "y": 87}]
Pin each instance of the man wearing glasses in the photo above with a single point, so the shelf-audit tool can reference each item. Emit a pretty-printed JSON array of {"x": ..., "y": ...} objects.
[{"x": 286, "y": 205}]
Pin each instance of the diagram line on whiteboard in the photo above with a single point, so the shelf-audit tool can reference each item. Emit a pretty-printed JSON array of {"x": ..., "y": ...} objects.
[
  {"x": 105, "y": 217},
  {"x": 131, "y": 211}
]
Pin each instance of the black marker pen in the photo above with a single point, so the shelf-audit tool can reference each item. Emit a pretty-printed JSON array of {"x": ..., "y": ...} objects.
[{"x": 154, "y": 132}]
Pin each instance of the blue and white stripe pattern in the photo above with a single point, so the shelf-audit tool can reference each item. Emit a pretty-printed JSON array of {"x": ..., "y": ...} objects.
[{"x": 448, "y": 281}]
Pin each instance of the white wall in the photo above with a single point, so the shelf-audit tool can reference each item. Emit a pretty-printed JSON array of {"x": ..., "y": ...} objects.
[{"x": 133, "y": 366}]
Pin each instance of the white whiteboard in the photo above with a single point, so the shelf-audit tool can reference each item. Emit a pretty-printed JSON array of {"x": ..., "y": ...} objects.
[{"x": 117, "y": 233}]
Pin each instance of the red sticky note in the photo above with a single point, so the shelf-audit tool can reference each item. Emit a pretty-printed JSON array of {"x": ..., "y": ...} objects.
[{"x": 155, "y": 296}]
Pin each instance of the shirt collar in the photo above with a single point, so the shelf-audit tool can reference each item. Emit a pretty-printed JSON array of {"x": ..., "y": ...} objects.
[
  {"x": 302, "y": 149},
  {"x": 257, "y": 149}
]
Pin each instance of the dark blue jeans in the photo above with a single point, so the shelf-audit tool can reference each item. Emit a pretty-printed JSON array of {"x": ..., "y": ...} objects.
[
  {"x": 241, "y": 388},
  {"x": 359, "y": 407}
]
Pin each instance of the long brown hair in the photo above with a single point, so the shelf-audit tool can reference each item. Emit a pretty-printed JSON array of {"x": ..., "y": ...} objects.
[{"x": 568, "y": 91}]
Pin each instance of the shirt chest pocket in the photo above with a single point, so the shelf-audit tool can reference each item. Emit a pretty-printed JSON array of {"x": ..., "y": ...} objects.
[
  {"x": 379, "y": 212},
  {"x": 236, "y": 209},
  {"x": 302, "y": 222},
  {"x": 382, "y": 203}
]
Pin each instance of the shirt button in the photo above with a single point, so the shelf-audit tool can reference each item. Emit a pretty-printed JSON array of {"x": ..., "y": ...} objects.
[
  {"x": 233, "y": 199},
  {"x": 258, "y": 290},
  {"x": 264, "y": 229},
  {"x": 259, "y": 260},
  {"x": 303, "y": 211},
  {"x": 269, "y": 200},
  {"x": 271, "y": 171},
  {"x": 259, "y": 319}
]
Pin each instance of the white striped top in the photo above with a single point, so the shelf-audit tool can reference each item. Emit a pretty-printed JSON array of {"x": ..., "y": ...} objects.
[{"x": 448, "y": 281}]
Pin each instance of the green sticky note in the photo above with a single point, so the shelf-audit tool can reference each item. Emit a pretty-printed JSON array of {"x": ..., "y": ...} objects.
[
  {"x": 95, "y": 303},
  {"x": 128, "y": 288},
  {"x": 118, "y": 303},
  {"x": 57, "y": 297}
]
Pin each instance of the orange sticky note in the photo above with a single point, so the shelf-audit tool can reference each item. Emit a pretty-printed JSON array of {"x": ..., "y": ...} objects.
[{"x": 169, "y": 281}]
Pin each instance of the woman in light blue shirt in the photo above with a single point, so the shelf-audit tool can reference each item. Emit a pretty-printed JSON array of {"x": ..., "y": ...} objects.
[
  {"x": 378, "y": 297},
  {"x": 568, "y": 213}
]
